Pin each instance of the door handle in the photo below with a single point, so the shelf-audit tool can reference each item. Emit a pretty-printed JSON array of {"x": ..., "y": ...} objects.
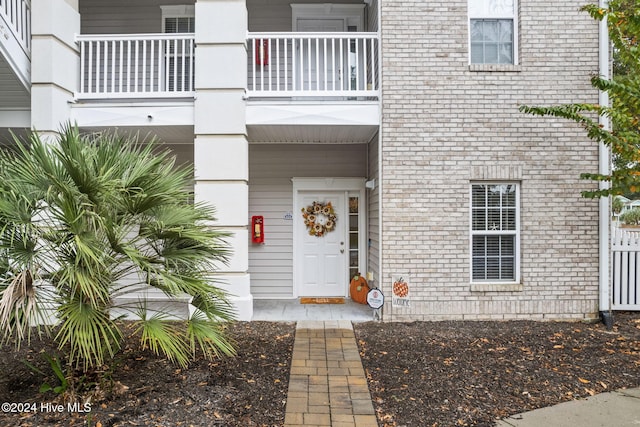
[{"x": 341, "y": 251}]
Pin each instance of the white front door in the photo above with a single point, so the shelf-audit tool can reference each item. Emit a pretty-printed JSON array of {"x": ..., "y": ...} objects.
[{"x": 322, "y": 268}]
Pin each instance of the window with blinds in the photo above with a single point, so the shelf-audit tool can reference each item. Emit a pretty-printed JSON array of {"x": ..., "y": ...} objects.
[
  {"x": 493, "y": 32},
  {"x": 494, "y": 232},
  {"x": 178, "y": 18},
  {"x": 177, "y": 24}
]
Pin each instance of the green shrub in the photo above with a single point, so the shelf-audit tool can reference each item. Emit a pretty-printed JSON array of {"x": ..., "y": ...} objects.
[
  {"x": 631, "y": 217},
  {"x": 82, "y": 212}
]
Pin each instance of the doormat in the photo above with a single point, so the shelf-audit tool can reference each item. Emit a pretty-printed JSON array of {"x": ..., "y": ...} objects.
[{"x": 321, "y": 300}]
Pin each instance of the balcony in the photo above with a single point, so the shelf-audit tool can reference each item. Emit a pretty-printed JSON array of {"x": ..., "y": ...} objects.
[
  {"x": 342, "y": 65},
  {"x": 280, "y": 65},
  {"x": 136, "y": 66},
  {"x": 321, "y": 87}
]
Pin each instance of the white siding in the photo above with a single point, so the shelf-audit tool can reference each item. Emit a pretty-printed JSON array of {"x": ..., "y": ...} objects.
[
  {"x": 123, "y": 16},
  {"x": 372, "y": 16},
  {"x": 373, "y": 214},
  {"x": 275, "y": 15},
  {"x": 144, "y": 16},
  {"x": 271, "y": 195}
]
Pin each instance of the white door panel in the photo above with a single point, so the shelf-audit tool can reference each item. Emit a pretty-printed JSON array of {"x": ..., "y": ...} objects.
[{"x": 322, "y": 271}]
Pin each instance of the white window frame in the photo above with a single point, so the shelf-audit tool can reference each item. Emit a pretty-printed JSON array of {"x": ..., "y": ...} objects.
[
  {"x": 479, "y": 9},
  {"x": 177, "y": 11},
  {"x": 516, "y": 233}
]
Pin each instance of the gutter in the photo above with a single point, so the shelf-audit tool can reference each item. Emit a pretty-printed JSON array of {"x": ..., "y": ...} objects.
[{"x": 604, "y": 168}]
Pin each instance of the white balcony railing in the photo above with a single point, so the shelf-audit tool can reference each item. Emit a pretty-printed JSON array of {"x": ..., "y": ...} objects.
[
  {"x": 279, "y": 65},
  {"x": 136, "y": 65},
  {"x": 17, "y": 14},
  {"x": 313, "y": 64}
]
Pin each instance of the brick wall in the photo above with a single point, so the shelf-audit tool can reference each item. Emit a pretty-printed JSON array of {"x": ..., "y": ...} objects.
[{"x": 446, "y": 123}]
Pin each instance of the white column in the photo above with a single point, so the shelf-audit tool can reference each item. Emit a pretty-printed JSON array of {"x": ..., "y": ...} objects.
[
  {"x": 604, "y": 169},
  {"x": 54, "y": 62},
  {"x": 221, "y": 152}
]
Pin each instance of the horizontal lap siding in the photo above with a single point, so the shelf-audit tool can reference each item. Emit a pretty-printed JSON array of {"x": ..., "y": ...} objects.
[
  {"x": 373, "y": 219},
  {"x": 269, "y": 15},
  {"x": 124, "y": 16},
  {"x": 271, "y": 168},
  {"x": 145, "y": 16},
  {"x": 276, "y": 15},
  {"x": 270, "y": 264}
]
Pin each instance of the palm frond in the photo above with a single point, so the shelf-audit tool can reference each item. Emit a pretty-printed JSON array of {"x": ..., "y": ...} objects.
[
  {"x": 162, "y": 336},
  {"x": 214, "y": 305},
  {"x": 208, "y": 337},
  {"x": 89, "y": 332},
  {"x": 18, "y": 306}
]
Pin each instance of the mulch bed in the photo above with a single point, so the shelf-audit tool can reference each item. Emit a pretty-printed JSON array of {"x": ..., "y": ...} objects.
[
  {"x": 420, "y": 374},
  {"x": 145, "y": 390},
  {"x": 472, "y": 373}
]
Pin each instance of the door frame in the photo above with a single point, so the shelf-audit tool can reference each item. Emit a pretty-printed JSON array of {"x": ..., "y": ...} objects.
[
  {"x": 351, "y": 14},
  {"x": 351, "y": 186}
]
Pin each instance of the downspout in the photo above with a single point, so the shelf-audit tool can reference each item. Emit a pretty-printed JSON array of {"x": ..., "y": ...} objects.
[{"x": 604, "y": 168}]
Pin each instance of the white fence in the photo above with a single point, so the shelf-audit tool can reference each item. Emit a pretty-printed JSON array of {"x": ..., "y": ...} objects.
[
  {"x": 136, "y": 65},
  {"x": 625, "y": 269},
  {"x": 313, "y": 64}
]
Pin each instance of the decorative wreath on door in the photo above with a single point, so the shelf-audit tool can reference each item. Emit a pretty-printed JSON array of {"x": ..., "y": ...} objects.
[{"x": 319, "y": 218}]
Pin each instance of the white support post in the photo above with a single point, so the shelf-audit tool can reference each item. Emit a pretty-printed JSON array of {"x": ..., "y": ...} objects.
[
  {"x": 604, "y": 169},
  {"x": 221, "y": 149},
  {"x": 54, "y": 26}
]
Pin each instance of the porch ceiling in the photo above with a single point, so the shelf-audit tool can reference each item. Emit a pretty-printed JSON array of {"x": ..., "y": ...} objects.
[
  {"x": 280, "y": 134},
  {"x": 311, "y": 134},
  {"x": 315, "y": 122}
]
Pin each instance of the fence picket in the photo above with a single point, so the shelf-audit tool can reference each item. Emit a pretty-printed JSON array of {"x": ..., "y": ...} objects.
[{"x": 625, "y": 271}]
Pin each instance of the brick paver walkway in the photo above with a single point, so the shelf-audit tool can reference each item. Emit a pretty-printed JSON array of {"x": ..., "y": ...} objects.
[{"x": 327, "y": 386}]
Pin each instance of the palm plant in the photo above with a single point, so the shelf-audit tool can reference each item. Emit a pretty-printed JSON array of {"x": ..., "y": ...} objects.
[{"x": 86, "y": 219}]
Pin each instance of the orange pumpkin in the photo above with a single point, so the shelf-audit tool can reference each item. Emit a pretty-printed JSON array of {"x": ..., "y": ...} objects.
[{"x": 358, "y": 289}]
